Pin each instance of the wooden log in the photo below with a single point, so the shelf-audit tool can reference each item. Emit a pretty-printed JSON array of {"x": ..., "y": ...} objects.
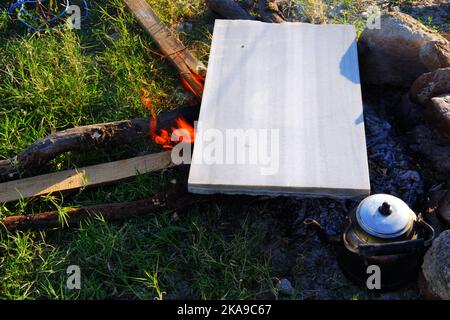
[
  {"x": 86, "y": 138},
  {"x": 269, "y": 11},
  {"x": 109, "y": 211},
  {"x": 228, "y": 9},
  {"x": 187, "y": 65},
  {"x": 83, "y": 177}
]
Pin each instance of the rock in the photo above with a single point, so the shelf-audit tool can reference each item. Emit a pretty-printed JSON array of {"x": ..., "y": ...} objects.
[
  {"x": 444, "y": 208},
  {"x": 390, "y": 55},
  {"x": 435, "y": 55},
  {"x": 423, "y": 288},
  {"x": 439, "y": 114},
  {"x": 411, "y": 114},
  {"x": 436, "y": 266},
  {"x": 430, "y": 85},
  {"x": 431, "y": 210},
  {"x": 285, "y": 287},
  {"x": 433, "y": 148},
  {"x": 446, "y": 35},
  {"x": 432, "y": 90}
]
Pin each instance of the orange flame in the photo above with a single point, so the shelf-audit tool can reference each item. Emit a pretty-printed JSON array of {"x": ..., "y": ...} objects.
[
  {"x": 183, "y": 133},
  {"x": 199, "y": 81}
]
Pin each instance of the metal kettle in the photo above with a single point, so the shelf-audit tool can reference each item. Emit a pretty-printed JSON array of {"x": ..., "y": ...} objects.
[{"x": 382, "y": 231}]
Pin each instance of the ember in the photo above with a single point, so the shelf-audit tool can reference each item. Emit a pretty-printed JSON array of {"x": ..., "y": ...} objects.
[
  {"x": 184, "y": 132},
  {"x": 199, "y": 81}
]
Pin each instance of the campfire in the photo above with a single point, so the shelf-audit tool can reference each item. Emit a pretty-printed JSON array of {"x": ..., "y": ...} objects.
[
  {"x": 198, "y": 80},
  {"x": 183, "y": 133},
  {"x": 165, "y": 137}
]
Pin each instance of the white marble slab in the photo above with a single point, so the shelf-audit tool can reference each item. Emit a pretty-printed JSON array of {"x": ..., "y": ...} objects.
[{"x": 298, "y": 79}]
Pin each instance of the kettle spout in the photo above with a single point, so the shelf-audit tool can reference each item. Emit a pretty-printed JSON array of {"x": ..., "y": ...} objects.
[{"x": 323, "y": 235}]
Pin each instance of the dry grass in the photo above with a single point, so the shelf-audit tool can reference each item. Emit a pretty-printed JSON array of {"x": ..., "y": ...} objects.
[{"x": 313, "y": 11}]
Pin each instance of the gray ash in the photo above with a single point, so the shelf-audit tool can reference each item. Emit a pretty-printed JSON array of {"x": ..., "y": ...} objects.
[{"x": 392, "y": 169}]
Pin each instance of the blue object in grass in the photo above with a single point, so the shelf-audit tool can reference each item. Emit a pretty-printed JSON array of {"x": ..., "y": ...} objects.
[{"x": 19, "y": 6}]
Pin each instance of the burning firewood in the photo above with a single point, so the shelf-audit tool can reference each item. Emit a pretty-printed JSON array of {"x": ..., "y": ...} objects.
[
  {"x": 86, "y": 138},
  {"x": 189, "y": 67},
  {"x": 183, "y": 131},
  {"x": 228, "y": 9}
]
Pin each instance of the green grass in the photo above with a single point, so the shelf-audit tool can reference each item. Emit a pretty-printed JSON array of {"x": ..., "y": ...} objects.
[
  {"x": 59, "y": 79},
  {"x": 55, "y": 80},
  {"x": 146, "y": 259}
]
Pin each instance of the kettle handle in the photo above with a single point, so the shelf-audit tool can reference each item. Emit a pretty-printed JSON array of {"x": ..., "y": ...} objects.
[
  {"x": 399, "y": 247},
  {"x": 323, "y": 235}
]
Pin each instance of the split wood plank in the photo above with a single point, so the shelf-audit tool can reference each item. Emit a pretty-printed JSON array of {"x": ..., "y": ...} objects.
[
  {"x": 84, "y": 177},
  {"x": 293, "y": 91},
  {"x": 169, "y": 44}
]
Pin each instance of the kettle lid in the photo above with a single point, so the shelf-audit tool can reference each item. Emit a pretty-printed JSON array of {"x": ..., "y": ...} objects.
[{"x": 384, "y": 216}]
